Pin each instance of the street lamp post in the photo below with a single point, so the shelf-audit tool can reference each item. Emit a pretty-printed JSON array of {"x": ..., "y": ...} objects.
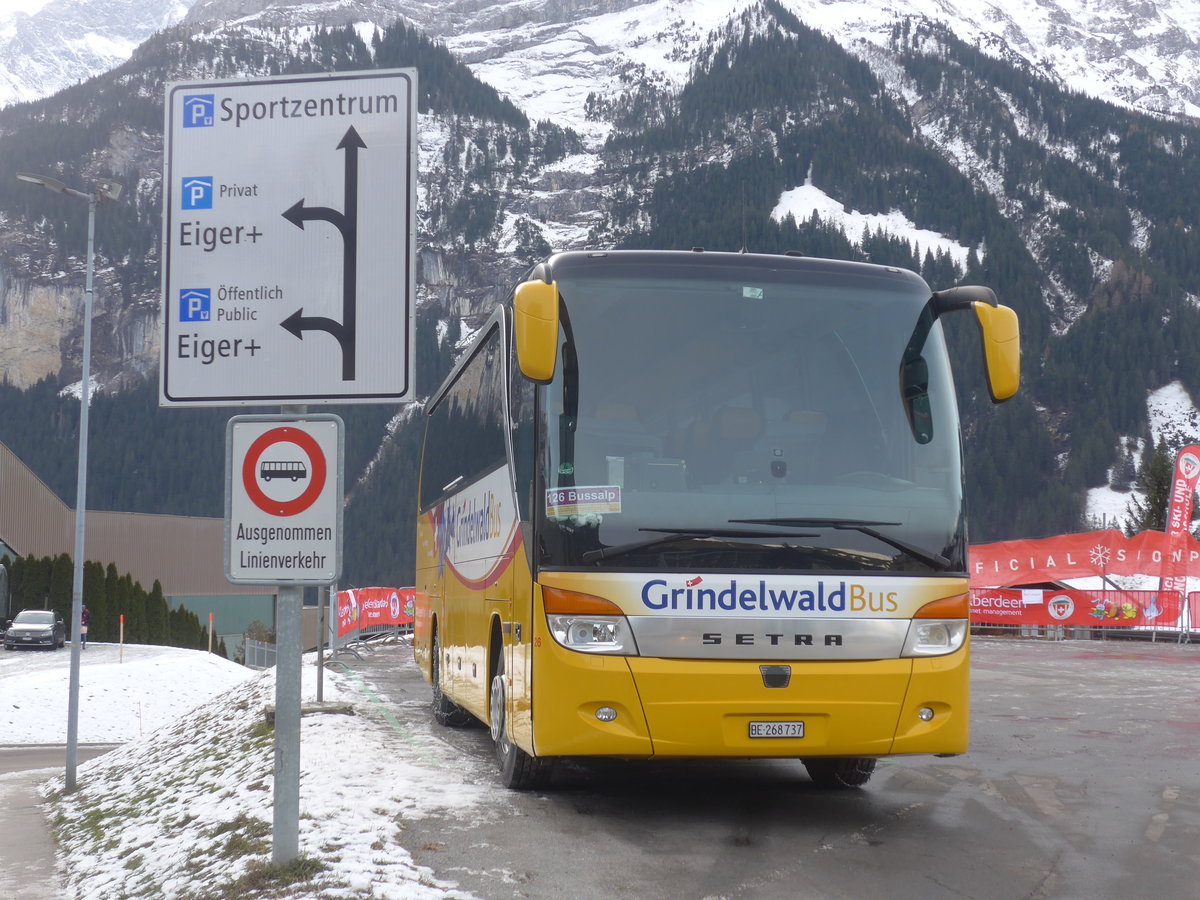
[{"x": 106, "y": 189}]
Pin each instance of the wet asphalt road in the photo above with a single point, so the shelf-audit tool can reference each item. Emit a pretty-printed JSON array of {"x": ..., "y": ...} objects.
[
  {"x": 28, "y": 872},
  {"x": 1082, "y": 781}
]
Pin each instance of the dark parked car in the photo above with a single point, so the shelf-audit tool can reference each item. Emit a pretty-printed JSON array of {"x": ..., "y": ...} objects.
[{"x": 36, "y": 628}]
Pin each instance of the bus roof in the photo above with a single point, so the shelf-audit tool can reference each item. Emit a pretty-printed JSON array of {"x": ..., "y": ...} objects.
[{"x": 808, "y": 268}]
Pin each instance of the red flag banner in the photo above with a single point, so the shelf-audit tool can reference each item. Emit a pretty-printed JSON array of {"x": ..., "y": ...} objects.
[
  {"x": 1187, "y": 473},
  {"x": 1179, "y": 513},
  {"x": 1124, "y": 609},
  {"x": 1081, "y": 555}
]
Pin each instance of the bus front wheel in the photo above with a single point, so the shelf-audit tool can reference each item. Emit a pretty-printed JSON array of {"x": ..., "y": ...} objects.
[
  {"x": 848, "y": 772},
  {"x": 518, "y": 770},
  {"x": 445, "y": 711}
]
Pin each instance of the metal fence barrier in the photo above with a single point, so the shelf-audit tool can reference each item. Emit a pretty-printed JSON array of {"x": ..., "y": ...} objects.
[
  {"x": 258, "y": 654},
  {"x": 1083, "y": 633},
  {"x": 1119, "y": 614}
]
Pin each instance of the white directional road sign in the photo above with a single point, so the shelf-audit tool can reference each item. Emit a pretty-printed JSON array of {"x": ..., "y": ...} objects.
[
  {"x": 283, "y": 499},
  {"x": 288, "y": 240}
]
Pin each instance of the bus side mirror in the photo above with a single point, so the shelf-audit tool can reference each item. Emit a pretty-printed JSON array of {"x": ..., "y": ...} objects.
[
  {"x": 1000, "y": 331},
  {"x": 1001, "y": 349},
  {"x": 535, "y": 328}
]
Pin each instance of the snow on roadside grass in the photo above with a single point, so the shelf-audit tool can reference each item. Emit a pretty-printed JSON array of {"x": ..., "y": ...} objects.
[
  {"x": 186, "y": 812},
  {"x": 122, "y": 693}
]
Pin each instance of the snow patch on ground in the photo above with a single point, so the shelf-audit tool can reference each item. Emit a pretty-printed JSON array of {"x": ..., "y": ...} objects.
[
  {"x": 804, "y": 202},
  {"x": 184, "y": 807}
]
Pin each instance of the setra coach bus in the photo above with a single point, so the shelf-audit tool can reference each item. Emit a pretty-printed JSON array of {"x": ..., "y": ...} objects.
[{"x": 695, "y": 504}]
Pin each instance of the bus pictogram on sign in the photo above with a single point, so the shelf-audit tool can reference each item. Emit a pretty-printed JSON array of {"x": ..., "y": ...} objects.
[
  {"x": 260, "y": 468},
  {"x": 288, "y": 468}
]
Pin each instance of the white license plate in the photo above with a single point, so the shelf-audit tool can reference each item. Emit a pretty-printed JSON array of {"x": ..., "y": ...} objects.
[{"x": 776, "y": 729}]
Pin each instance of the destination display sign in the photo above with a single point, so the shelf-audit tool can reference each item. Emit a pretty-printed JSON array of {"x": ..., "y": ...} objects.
[
  {"x": 283, "y": 499},
  {"x": 288, "y": 240}
]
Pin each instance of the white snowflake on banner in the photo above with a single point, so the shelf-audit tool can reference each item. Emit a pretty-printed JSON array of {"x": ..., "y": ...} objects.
[{"x": 1100, "y": 556}]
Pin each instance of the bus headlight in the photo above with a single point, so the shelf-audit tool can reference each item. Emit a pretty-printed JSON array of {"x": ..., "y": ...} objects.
[
  {"x": 938, "y": 628},
  {"x": 934, "y": 637},
  {"x": 587, "y": 623},
  {"x": 593, "y": 634}
]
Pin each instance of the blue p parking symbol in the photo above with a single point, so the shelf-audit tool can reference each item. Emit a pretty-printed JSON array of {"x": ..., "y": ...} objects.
[
  {"x": 198, "y": 193},
  {"x": 195, "y": 305},
  {"x": 198, "y": 110}
]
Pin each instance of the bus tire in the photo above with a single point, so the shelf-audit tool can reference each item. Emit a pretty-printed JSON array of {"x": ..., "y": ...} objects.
[
  {"x": 518, "y": 770},
  {"x": 445, "y": 711},
  {"x": 845, "y": 772}
]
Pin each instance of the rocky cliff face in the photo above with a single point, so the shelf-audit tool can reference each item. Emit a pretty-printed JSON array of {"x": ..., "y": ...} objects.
[
  {"x": 35, "y": 319},
  {"x": 41, "y": 329}
]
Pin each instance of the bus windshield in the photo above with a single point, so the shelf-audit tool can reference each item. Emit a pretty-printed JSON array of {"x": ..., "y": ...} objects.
[{"x": 749, "y": 417}]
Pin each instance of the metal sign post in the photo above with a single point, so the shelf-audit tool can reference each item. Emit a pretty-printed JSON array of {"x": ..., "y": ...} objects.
[{"x": 285, "y": 826}]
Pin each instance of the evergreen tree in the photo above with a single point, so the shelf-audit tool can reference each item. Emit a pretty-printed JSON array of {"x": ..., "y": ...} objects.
[
  {"x": 1147, "y": 508},
  {"x": 62, "y": 576},
  {"x": 157, "y": 629},
  {"x": 111, "y": 610},
  {"x": 96, "y": 600},
  {"x": 135, "y": 614}
]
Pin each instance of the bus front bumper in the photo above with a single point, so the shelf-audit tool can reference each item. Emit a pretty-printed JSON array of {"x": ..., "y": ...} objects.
[{"x": 690, "y": 708}]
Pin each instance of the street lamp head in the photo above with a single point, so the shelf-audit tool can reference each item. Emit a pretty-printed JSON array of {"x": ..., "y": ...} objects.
[
  {"x": 51, "y": 184},
  {"x": 108, "y": 189}
]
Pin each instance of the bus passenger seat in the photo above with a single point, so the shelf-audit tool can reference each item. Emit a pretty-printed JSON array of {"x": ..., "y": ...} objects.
[
  {"x": 738, "y": 425},
  {"x": 719, "y": 442},
  {"x": 612, "y": 431}
]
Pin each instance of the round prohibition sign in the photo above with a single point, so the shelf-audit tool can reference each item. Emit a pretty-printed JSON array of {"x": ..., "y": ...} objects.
[{"x": 316, "y": 482}]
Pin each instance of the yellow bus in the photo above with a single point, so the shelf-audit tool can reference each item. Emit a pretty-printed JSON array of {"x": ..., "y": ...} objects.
[{"x": 696, "y": 504}]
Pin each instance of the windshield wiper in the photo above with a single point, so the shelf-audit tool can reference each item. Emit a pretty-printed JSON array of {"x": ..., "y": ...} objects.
[
  {"x": 678, "y": 534},
  {"x": 863, "y": 526}
]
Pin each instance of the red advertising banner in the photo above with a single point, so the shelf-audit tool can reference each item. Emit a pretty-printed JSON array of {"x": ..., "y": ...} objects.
[
  {"x": 1081, "y": 555},
  {"x": 1124, "y": 609},
  {"x": 364, "y": 607}
]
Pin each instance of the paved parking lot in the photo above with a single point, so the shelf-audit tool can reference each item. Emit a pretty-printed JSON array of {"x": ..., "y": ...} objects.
[{"x": 1082, "y": 781}]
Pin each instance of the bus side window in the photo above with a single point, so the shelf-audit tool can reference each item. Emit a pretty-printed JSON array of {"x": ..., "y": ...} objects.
[{"x": 464, "y": 438}]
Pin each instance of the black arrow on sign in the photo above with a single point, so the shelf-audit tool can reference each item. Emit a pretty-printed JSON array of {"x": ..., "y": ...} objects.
[
  {"x": 298, "y": 323},
  {"x": 346, "y": 222}
]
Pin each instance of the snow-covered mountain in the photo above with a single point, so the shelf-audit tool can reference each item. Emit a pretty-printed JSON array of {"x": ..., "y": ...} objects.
[
  {"x": 1141, "y": 53},
  {"x": 47, "y": 45}
]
